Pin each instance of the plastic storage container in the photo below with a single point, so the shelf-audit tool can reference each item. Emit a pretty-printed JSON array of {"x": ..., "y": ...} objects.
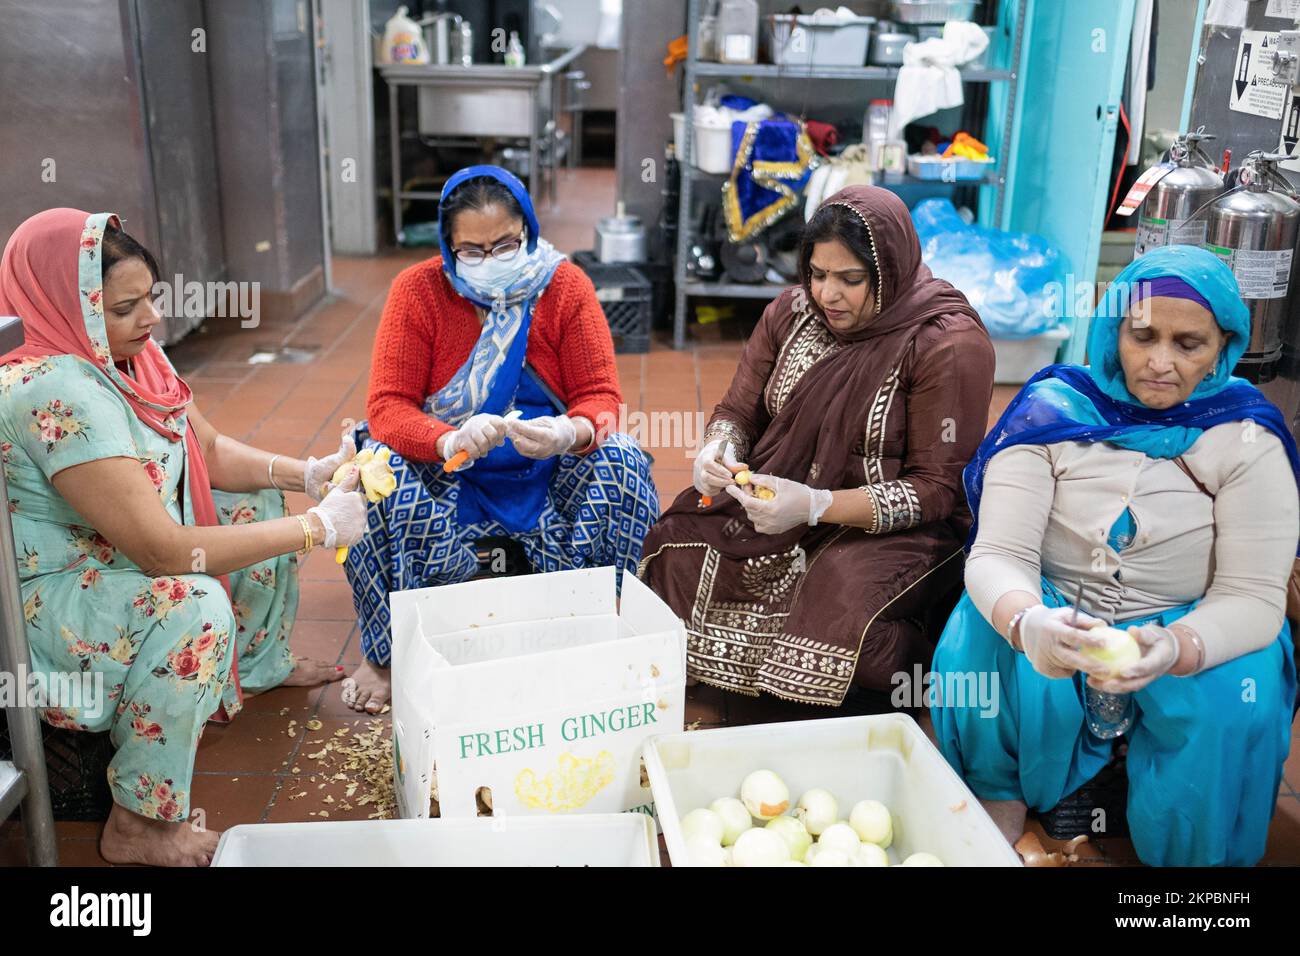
[
  {"x": 591, "y": 839},
  {"x": 712, "y": 147},
  {"x": 1019, "y": 359},
  {"x": 806, "y": 40},
  {"x": 738, "y": 31},
  {"x": 886, "y": 758},
  {"x": 934, "y": 11},
  {"x": 679, "y": 137},
  {"x": 948, "y": 170},
  {"x": 625, "y": 294}
]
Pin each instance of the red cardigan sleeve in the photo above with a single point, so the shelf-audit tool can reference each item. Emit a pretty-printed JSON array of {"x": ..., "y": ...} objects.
[
  {"x": 401, "y": 368},
  {"x": 588, "y": 373}
]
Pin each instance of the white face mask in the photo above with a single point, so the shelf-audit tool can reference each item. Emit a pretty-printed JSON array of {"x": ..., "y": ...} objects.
[{"x": 492, "y": 274}]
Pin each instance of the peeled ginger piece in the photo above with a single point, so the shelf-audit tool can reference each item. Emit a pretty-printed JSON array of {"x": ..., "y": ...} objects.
[
  {"x": 766, "y": 494},
  {"x": 377, "y": 478}
]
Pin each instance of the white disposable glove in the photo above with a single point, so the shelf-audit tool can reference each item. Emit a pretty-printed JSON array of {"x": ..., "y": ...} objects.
[
  {"x": 1159, "y": 654},
  {"x": 795, "y": 503},
  {"x": 478, "y": 436},
  {"x": 543, "y": 437},
  {"x": 321, "y": 470},
  {"x": 715, "y": 467},
  {"x": 342, "y": 512},
  {"x": 1051, "y": 643}
]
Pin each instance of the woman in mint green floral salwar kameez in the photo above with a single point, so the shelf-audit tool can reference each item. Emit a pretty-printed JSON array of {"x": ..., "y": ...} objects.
[{"x": 175, "y": 598}]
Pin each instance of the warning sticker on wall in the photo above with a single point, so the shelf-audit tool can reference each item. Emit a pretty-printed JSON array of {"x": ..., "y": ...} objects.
[
  {"x": 1291, "y": 132},
  {"x": 1286, "y": 9},
  {"x": 1254, "y": 89},
  {"x": 1261, "y": 273}
]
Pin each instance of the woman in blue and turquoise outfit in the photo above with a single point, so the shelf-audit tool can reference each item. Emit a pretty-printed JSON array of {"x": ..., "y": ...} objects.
[
  {"x": 499, "y": 323},
  {"x": 1167, "y": 488}
]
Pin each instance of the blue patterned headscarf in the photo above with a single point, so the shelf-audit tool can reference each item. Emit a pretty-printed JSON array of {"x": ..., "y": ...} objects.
[{"x": 1092, "y": 403}]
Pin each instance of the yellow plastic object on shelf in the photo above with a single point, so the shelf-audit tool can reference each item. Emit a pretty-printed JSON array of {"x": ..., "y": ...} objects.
[
  {"x": 966, "y": 146},
  {"x": 377, "y": 480}
]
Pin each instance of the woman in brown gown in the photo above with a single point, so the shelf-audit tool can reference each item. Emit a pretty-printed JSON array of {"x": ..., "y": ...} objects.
[{"x": 859, "y": 398}]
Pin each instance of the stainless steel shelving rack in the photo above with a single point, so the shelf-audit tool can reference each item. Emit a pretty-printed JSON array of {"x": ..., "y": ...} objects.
[{"x": 697, "y": 70}]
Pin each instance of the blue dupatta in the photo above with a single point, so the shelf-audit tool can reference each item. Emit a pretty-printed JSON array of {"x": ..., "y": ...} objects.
[
  {"x": 503, "y": 486},
  {"x": 1091, "y": 403}
]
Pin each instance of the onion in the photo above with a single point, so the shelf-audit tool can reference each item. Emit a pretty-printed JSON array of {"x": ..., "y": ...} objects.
[
  {"x": 869, "y": 855},
  {"x": 922, "y": 859},
  {"x": 704, "y": 823},
  {"x": 817, "y": 809},
  {"x": 1119, "y": 651},
  {"x": 871, "y": 822},
  {"x": 705, "y": 851},
  {"x": 765, "y": 795},
  {"x": 759, "y": 847},
  {"x": 811, "y": 854},
  {"x": 735, "y": 818},
  {"x": 793, "y": 863},
  {"x": 793, "y": 832},
  {"x": 829, "y": 857},
  {"x": 839, "y": 836}
]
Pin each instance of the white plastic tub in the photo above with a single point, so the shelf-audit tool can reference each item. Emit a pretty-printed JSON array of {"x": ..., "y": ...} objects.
[
  {"x": 712, "y": 147},
  {"x": 807, "y": 40},
  {"x": 1019, "y": 359},
  {"x": 886, "y": 758},
  {"x": 594, "y": 839},
  {"x": 679, "y": 137}
]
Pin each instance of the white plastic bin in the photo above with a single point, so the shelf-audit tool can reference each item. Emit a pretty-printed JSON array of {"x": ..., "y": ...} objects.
[
  {"x": 593, "y": 839},
  {"x": 712, "y": 146},
  {"x": 808, "y": 40},
  {"x": 679, "y": 137},
  {"x": 1019, "y": 359},
  {"x": 886, "y": 758}
]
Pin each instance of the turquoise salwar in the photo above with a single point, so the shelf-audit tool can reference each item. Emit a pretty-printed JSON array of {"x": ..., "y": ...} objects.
[{"x": 1205, "y": 752}]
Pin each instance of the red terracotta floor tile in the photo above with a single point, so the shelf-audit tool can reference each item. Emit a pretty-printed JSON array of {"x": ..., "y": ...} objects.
[
  {"x": 322, "y": 640},
  {"x": 230, "y": 799},
  {"x": 253, "y": 742},
  {"x": 325, "y": 601}
]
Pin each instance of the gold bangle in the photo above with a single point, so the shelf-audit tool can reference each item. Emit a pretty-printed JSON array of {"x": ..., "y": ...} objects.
[{"x": 308, "y": 543}]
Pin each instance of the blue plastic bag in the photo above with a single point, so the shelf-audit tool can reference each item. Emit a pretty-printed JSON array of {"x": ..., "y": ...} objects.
[{"x": 1015, "y": 280}]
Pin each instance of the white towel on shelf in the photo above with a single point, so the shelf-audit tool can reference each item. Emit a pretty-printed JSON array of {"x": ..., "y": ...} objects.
[{"x": 928, "y": 80}]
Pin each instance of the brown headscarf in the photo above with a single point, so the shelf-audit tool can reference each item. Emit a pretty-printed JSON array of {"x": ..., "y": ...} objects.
[{"x": 827, "y": 411}]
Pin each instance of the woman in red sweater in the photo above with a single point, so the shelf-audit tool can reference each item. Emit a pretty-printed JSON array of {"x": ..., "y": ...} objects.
[{"x": 494, "y": 358}]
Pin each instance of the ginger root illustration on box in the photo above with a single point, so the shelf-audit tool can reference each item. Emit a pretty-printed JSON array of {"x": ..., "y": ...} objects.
[
  {"x": 377, "y": 480},
  {"x": 571, "y": 785}
]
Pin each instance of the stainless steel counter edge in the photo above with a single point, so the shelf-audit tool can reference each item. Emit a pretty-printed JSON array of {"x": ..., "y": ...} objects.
[
  {"x": 11, "y": 333},
  {"x": 417, "y": 73}
]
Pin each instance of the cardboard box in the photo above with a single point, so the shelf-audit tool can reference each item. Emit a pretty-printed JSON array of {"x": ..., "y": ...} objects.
[{"x": 536, "y": 687}]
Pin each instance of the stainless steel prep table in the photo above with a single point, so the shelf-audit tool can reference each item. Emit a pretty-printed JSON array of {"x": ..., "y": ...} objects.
[{"x": 480, "y": 100}]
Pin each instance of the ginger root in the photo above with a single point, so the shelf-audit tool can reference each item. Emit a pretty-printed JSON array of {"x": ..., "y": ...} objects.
[
  {"x": 765, "y": 494},
  {"x": 377, "y": 478}
]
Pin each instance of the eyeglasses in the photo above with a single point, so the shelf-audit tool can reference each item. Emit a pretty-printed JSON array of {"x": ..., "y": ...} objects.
[{"x": 504, "y": 251}]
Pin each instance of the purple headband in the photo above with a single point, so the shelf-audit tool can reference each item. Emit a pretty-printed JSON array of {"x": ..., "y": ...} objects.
[{"x": 1168, "y": 287}]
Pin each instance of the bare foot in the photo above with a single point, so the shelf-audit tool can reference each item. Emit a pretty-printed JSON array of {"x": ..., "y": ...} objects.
[
  {"x": 131, "y": 838},
  {"x": 368, "y": 689},
  {"x": 309, "y": 673},
  {"x": 1009, "y": 815}
]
